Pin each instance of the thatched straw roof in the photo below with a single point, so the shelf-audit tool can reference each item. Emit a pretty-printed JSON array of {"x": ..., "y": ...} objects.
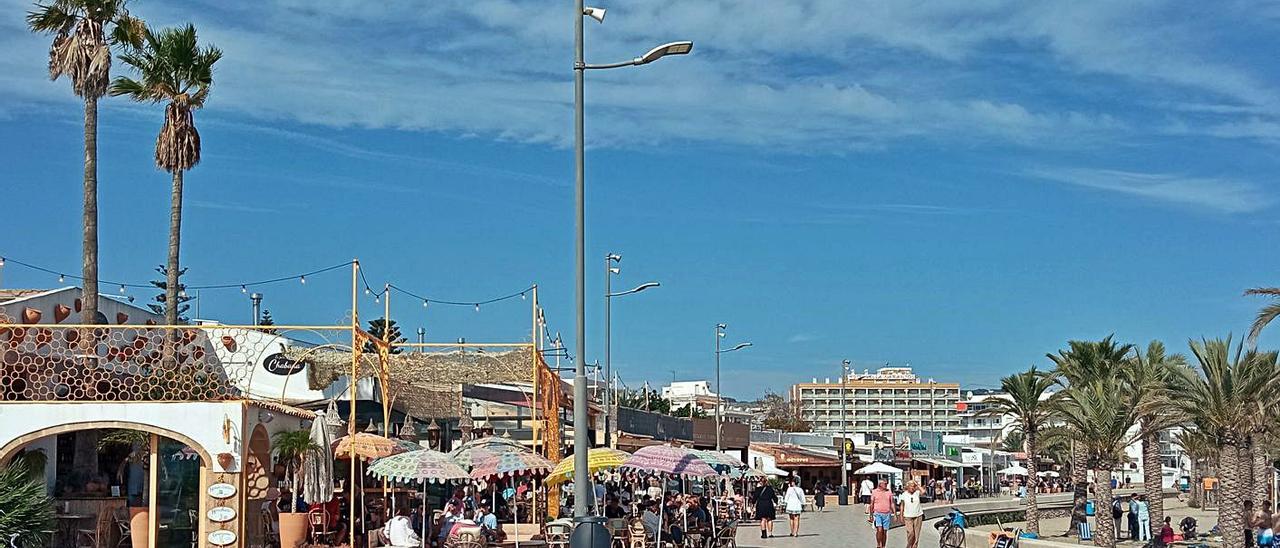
[{"x": 425, "y": 384}]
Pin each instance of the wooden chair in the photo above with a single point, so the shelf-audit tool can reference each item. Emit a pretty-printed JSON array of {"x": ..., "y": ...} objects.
[
  {"x": 558, "y": 535},
  {"x": 618, "y": 532},
  {"x": 637, "y": 536},
  {"x": 470, "y": 537}
]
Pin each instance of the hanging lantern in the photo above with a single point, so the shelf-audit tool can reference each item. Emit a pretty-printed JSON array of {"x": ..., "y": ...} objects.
[{"x": 408, "y": 432}]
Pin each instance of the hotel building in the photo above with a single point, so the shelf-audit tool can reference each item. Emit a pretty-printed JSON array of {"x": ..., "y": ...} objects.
[{"x": 890, "y": 399}]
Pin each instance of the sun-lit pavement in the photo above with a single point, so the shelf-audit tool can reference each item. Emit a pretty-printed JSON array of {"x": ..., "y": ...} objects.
[{"x": 837, "y": 527}]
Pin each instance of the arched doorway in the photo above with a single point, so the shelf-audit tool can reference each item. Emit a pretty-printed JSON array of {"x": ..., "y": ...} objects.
[{"x": 136, "y": 476}]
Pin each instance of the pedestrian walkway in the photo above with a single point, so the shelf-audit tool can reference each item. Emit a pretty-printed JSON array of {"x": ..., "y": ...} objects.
[{"x": 837, "y": 527}]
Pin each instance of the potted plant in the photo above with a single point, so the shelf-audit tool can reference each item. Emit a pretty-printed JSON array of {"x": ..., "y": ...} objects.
[
  {"x": 290, "y": 447},
  {"x": 139, "y": 446}
]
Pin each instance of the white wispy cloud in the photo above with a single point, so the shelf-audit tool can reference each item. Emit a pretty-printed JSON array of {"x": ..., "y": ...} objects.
[
  {"x": 802, "y": 338},
  {"x": 811, "y": 75},
  {"x": 230, "y": 206},
  {"x": 1223, "y": 195}
]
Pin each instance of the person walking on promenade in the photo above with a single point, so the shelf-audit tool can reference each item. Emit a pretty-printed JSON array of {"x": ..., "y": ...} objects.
[
  {"x": 794, "y": 501},
  {"x": 766, "y": 512},
  {"x": 864, "y": 490},
  {"x": 912, "y": 512},
  {"x": 880, "y": 512},
  {"x": 820, "y": 495}
]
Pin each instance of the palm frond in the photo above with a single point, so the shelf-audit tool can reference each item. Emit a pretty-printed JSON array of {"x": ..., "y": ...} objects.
[
  {"x": 1265, "y": 316},
  {"x": 51, "y": 18}
]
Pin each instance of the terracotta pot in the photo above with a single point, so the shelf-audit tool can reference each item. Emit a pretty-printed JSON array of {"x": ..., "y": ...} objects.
[
  {"x": 293, "y": 529},
  {"x": 139, "y": 529}
]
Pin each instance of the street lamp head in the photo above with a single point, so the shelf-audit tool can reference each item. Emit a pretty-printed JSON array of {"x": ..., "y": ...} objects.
[
  {"x": 645, "y": 286},
  {"x": 594, "y": 13},
  {"x": 615, "y": 270},
  {"x": 721, "y": 326},
  {"x": 846, "y": 363},
  {"x": 613, "y": 257},
  {"x": 673, "y": 48},
  {"x": 740, "y": 346}
]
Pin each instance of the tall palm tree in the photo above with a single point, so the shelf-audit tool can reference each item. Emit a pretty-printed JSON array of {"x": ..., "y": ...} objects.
[
  {"x": 173, "y": 68},
  {"x": 84, "y": 32},
  {"x": 1101, "y": 412},
  {"x": 1031, "y": 411},
  {"x": 1268, "y": 313},
  {"x": 1221, "y": 401},
  {"x": 1151, "y": 375},
  {"x": 1081, "y": 362}
]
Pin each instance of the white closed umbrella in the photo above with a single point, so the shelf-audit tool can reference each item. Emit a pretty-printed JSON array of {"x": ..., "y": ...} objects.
[{"x": 317, "y": 486}]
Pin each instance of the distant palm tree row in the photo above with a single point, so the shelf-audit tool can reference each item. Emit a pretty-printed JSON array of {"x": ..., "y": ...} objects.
[
  {"x": 172, "y": 68},
  {"x": 1103, "y": 395}
]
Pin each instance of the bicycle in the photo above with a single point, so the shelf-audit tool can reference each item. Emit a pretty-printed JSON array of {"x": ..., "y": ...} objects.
[{"x": 951, "y": 529}]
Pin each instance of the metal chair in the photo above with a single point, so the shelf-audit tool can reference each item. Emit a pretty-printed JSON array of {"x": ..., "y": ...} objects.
[
  {"x": 120, "y": 518},
  {"x": 727, "y": 537}
]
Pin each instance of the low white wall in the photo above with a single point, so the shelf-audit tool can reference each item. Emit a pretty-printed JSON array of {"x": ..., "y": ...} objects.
[{"x": 200, "y": 421}]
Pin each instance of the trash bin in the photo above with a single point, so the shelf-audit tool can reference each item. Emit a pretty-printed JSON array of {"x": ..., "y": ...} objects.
[
  {"x": 590, "y": 532},
  {"x": 842, "y": 496}
]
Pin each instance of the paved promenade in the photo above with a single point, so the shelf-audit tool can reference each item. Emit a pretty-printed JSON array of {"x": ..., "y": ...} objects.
[{"x": 837, "y": 527}]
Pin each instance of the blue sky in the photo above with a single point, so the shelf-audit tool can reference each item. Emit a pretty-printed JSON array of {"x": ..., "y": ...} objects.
[{"x": 962, "y": 186}]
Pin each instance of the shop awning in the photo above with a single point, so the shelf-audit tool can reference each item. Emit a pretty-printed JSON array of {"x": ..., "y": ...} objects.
[{"x": 939, "y": 462}]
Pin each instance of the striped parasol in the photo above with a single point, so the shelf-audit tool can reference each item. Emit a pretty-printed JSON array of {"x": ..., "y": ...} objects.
[
  {"x": 371, "y": 446},
  {"x": 510, "y": 464},
  {"x": 665, "y": 459},
  {"x": 425, "y": 465},
  {"x": 600, "y": 458}
]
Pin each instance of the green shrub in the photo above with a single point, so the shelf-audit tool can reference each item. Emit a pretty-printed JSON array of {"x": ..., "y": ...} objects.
[{"x": 26, "y": 512}]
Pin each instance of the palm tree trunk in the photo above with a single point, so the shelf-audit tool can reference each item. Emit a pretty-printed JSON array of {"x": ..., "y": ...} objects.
[
  {"x": 1106, "y": 533},
  {"x": 1152, "y": 479},
  {"x": 1261, "y": 474},
  {"x": 1245, "y": 454},
  {"x": 89, "y": 217},
  {"x": 1033, "y": 481},
  {"x": 1231, "y": 498},
  {"x": 1197, "y": 484},
  {"x": 1080, "y": 488},
  {"x": 175, "y": 237}
]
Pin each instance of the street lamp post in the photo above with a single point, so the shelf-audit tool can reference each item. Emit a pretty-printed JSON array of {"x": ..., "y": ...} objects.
[
  {"x": 581, "y": 478},
  {"x": 843, "y": 496},
  {"x": 719, "y": 399},
  {"x": 609, "y": 271}
]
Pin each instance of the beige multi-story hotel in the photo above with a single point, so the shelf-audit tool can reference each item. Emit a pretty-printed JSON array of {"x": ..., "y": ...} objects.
[{"x": 892, "y": 398}]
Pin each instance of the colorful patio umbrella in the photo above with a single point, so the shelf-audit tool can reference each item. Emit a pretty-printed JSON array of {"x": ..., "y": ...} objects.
[
  {"x": 665, "y": 459},
  {"x": 510, "y": 464},
  {"x": 720, "y": 461},
  {"x": 469, "y": 454},
  {"x": 600, "y": 458},
  {"x": 425, "y": 465},
  {"x": 746, "y": 473},
  {"x": 371, "y": 446}
]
